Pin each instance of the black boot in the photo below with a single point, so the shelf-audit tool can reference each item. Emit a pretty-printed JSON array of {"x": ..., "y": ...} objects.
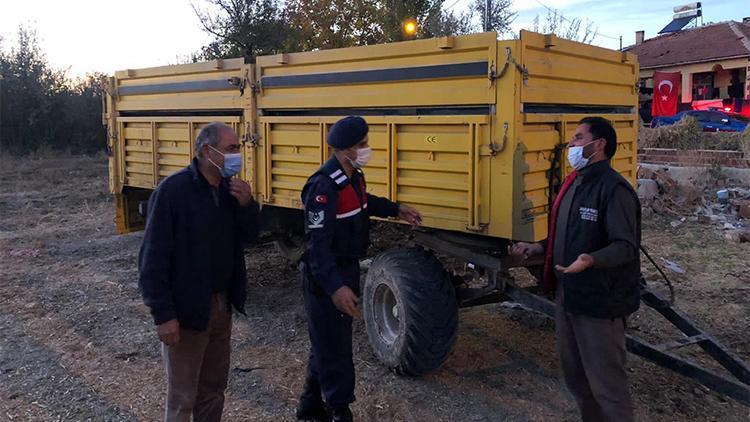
[
  {"x": 342, "y": 414},
  {"x": 311, "y": 406}
]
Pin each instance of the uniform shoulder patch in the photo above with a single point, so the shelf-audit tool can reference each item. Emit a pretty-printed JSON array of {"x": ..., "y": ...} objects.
[
  {"x": 316, "y": 219},
  {"x": 321, "y": 199}
]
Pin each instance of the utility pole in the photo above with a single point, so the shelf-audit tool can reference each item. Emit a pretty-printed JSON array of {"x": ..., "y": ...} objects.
[{"x": 487, "y": 4}]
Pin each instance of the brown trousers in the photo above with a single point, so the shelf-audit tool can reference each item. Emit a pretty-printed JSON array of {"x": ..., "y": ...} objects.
[
  {"x": 592, "y": 357},
  {"x": 198, "y": 368}
]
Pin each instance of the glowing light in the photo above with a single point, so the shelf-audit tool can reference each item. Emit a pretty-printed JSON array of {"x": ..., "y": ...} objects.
[{"x": 410, "y": 27}]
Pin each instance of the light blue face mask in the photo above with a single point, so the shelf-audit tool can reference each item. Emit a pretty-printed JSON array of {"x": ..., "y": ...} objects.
[
  {"x": 232, "y": 163},
  {"x": 576, "y": 158}
]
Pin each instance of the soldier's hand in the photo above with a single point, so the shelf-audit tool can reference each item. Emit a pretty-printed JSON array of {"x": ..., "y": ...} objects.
[
  {"x": 241, "y": 190},
  {"x": 346, "y": 301},
  {"x": 584, "y": 262},
  {"x": 525, "y": 250},
  {"x": 169, "y": 332},
  {"x": 409, "y": 214}
]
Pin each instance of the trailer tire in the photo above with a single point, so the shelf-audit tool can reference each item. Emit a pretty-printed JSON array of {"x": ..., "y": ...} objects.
[{"x": 411, "y": 313}]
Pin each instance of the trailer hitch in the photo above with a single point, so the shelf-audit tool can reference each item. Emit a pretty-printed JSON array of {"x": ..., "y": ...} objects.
[{"x": 736, "y": 387}]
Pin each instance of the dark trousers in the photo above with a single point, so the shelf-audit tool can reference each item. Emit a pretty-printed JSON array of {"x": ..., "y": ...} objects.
[
  {"x": 330, "y": 361},
  {"x": 592, "y": 357},
  {"x": 198, "y": 368}
]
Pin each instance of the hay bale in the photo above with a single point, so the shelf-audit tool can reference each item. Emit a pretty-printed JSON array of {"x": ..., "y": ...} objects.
[
  {"x": 688, "y": 135},
  {"x": 684, "y": 134}
]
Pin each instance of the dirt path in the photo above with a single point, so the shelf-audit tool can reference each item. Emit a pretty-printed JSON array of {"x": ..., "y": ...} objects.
[{"x": 76, "y": 343}]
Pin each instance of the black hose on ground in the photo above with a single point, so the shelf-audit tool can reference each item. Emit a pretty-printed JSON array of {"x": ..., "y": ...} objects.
[{"x": 664, "y": 276}]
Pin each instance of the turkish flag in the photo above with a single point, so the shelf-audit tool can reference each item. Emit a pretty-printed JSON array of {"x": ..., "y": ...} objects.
[{"x": 666, "y": 89}]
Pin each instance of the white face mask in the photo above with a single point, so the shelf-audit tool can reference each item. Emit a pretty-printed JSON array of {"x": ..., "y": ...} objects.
[
  {"x": 363, "y": 157},
  {"x": 576, "y": 158}
]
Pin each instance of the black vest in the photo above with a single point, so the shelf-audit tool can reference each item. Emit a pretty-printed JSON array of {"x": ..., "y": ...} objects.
[
  {"x": 352, "y": 227},
  {"x": 598, "y": 292}
]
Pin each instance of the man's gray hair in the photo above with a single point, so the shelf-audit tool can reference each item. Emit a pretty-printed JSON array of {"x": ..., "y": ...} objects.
[{"x": 210, "y": 135}]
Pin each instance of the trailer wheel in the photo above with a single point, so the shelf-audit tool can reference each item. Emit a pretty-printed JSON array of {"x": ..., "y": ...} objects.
[
  {"x": 291, "y": 247},
  {"x": 411, "y": 313}
]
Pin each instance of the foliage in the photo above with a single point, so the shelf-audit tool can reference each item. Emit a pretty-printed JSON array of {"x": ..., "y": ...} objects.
[
  {"x": 258, "y": 27},
  {"x": 40, "y": 107},
  {"x": 499, "y": 17}
]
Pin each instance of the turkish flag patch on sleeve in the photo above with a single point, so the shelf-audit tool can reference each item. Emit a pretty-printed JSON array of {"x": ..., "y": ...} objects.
[{"x": 321, "y": 199}]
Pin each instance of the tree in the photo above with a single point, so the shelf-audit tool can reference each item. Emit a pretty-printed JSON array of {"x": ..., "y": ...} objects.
[
  {"x": 29, "y": 88},
  {"x": 253, "y": 27},
  {"x": 441, "y": 22},
  {"x": 40, "y": 107},
  {"x": 393, "y": 14},
  {"x": 573, "y": 29},
  {"x": 332, "y": 24},
  {"x": 499, "y": 17},
  {"x": 243, "y": 28}
]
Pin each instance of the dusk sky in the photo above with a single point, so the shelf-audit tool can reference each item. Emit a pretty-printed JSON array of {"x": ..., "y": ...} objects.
[{"x": 105, "y": 35}]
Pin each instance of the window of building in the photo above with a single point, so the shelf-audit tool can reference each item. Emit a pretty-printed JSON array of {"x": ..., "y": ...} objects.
[{"x": 703, "y": 86}]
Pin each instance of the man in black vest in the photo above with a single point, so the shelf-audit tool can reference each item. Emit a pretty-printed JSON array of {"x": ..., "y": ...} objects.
[
  {"x": 592, "y": 264},
  {"x": 337, "y": 221}
]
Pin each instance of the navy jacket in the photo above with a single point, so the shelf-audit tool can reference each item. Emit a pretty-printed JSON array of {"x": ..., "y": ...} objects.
[
  {"x": 337, "y": 222},
  {"x": 174, "y": 261}
]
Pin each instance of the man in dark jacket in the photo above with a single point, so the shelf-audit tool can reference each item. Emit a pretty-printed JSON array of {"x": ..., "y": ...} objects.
[
  {"x": 592, "y": 264},
  {"x": 337, "y": 221},
  {"x": 192, "y": 271}
]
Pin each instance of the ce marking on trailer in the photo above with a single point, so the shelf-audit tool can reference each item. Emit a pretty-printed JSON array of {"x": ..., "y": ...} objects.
[{"x": 432, "y": 139}]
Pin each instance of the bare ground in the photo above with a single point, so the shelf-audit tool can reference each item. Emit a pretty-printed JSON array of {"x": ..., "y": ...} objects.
[{"x": 76, "y": 342}]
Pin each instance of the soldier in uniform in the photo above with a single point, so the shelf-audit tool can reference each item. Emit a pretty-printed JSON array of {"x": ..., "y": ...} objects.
[{"x": 337, "y": 220}]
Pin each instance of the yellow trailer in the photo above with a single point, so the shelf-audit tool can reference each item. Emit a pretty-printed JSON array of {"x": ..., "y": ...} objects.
[
  {"x": 463, "y": 128},
  {"x": 467, "y": 129}
]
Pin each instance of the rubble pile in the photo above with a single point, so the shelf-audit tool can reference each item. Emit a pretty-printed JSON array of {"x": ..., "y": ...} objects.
[{"x": 708, "y": 202}]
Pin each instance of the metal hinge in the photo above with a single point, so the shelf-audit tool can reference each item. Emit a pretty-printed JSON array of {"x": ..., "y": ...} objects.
[
  {"x": 508, "y": 60},
  {"x": 243, "y": 82},
  {"x": 493, "y": 147},
  {"x": 251, "y": 138},
  {"x": 111, "y": 140}
]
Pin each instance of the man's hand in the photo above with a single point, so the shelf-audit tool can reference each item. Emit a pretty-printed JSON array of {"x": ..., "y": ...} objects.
[
  {"x": 169, "y": 332},
  {"x": 525, "y": 250},
  {"x": 409, "y": 214},
  {"x": 584, "y": 262},
  {"x": 346, "y": 301},
  {"x": 241, "y": 190}
]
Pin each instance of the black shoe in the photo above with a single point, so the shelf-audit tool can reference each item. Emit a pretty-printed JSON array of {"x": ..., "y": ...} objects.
[
  {"x": 311, "y": 406},
  {"x": 313, "y": 414},
  {"x": 342, "y": 414},
  {"x": 316, "y": 412}
]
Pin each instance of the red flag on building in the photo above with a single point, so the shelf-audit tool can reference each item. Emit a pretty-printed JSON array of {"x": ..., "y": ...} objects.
[{"x": 666, "y": 89}]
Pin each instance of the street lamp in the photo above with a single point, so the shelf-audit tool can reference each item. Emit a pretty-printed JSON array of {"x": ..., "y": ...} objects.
[{"x": 410, "y": 27}]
